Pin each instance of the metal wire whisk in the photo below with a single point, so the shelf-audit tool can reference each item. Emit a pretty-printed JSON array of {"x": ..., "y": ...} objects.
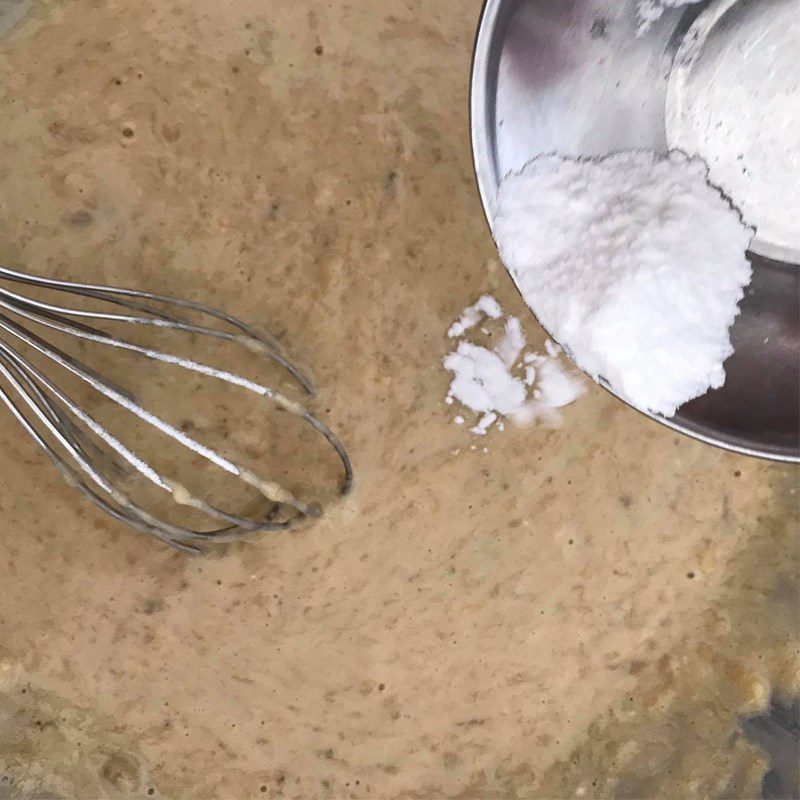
[{"x": 87, "y": 454}]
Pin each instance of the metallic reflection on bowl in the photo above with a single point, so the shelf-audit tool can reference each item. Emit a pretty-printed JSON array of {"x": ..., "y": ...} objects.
[{"x": 573, "y": 77}]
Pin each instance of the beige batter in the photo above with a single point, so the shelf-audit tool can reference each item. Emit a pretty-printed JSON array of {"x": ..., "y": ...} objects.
[{"x": 579, "y": 612}]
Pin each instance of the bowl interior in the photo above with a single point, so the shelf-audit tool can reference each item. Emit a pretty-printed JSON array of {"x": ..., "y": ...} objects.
[{"x": 581, "y": 79}]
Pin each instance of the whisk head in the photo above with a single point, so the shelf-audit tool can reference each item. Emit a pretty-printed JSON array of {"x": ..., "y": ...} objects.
[{"x": 92, "y": 458}]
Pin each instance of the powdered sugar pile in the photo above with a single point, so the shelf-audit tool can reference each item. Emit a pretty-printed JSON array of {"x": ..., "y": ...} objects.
[
  {"x": 485, "y": 382},
  {"x": 634, "y": 263}
]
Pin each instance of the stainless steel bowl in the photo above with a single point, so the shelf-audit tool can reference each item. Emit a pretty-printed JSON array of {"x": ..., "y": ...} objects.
[{"x": 718, "y": 79}]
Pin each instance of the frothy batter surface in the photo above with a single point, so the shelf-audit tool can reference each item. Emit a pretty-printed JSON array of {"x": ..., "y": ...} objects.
[{"x": 537, "y": 621}]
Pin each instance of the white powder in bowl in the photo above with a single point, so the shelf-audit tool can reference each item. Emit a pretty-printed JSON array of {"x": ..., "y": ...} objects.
[
  {"x": 634, "y": 262},
  {"x": 648, "y": 11}
]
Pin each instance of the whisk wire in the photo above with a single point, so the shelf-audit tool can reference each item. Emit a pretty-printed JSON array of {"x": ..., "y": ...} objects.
[
  {"x": 141, "y": 466},
  {"x": 57, "y": 322},
  {"x": 11, "y": 372},
  {"x": 130, "y": 512},
  {"x": 120, "y": 296},
  {"x": 52, "y": 407}
]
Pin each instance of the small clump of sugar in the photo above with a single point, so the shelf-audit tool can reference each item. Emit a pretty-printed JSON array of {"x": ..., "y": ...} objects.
[{"x": 504, "y": 381}]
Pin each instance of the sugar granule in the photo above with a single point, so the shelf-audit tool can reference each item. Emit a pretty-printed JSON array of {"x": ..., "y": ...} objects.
[
  {"x": 511, "y": 345},
  {"x": 634, "y": 263},
  {"x": 485, "y": 306}
]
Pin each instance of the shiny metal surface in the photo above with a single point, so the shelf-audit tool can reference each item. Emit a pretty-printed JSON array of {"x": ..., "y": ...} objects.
[
  {"x": 573, "y": 77},
  {"x": 777, "y": 734},
  {"x": 96, "y": 461},
  {"x": 733, "y": 97}
]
